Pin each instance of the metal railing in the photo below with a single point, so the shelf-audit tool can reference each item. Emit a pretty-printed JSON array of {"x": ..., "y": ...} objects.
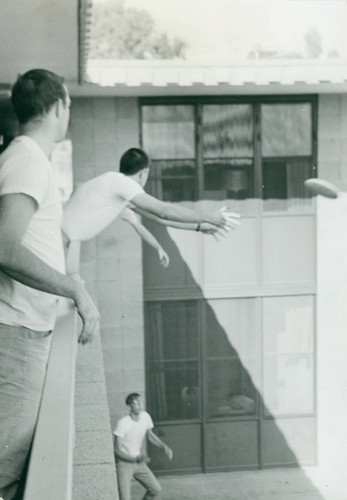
[{"x": 51, "y": 460}]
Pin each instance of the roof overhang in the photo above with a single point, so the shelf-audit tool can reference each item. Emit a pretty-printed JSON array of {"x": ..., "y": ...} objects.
[{"x": 177, "y": 77}]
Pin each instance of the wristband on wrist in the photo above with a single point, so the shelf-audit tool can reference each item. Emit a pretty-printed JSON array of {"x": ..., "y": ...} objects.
[{"x": 198, "y": 227}]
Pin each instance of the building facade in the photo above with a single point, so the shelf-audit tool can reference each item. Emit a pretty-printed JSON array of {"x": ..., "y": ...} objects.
[{"x": 226, "y": 344}]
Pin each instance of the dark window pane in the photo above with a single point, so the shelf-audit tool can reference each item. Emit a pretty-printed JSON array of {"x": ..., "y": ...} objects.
[
  {"x": 227, "y": 131},
  {"x": 168, "y": 131},
  {"x": 230, "y": 389},
  {"x": 174, "y": 390},
  {"x": 171, "y": 330},
  {"x": 284, "y": 180},
  {"x": 229, "y": 179},
  {"x": 173, "y": 180},
  {"x": 178, "y": 189},
  {"x": 286, "y": 129}
]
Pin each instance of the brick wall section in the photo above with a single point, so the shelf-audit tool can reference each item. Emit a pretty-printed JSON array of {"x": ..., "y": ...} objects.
[
  {"x": 332, "y": 139},
  {"x": 101, "y": 129}
]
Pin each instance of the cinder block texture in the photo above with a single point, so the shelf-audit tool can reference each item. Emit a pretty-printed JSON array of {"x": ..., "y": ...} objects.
[
  {"x": 332, "y": 139},
  {"x": 95, "y": 482}
]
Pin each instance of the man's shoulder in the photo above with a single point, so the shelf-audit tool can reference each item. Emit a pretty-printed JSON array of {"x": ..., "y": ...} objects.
[
  {"x": 145, "y": 417},
  {"x": 24, "y": 152},
  {"x": 122, "y": 423},
  {"x": 123, "y": 419}
]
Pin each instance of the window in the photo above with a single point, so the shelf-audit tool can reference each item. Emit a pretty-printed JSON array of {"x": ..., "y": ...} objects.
[
  {"x": 232, "y": 356},
  {"x": 168, "y": 138},
  {"x": 232, "y": 150},
  {"x": 286, "y": 155},
  {"x": 228, "y": 151},
  {"x": 173, "y": 359},
  {"x": 288, "y": 355},
  {"x": 231, "y": 362}
]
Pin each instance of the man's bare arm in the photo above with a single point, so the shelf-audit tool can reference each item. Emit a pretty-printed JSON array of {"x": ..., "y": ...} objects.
[
  {"x": 176, "y": 213},
  {"x": 146, "y": 235},
  {"x": 159, "y": 443},
  {"x": 202, "y": 227},
  {"x": 22, "y": 265}
]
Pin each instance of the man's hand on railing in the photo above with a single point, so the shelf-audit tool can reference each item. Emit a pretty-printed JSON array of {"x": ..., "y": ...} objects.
[{"x": 87, "y": 310}]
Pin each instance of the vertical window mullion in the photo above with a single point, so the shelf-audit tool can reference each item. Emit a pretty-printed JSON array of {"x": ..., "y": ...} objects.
[
  {"x": 199, "y": 152},
  {"x": 258, "y": 173}
]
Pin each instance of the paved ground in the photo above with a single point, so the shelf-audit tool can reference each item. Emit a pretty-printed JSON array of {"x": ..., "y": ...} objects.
[{"x": 284, "y": 484}]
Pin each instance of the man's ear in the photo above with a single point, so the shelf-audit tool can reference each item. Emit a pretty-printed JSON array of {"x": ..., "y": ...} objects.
[
  {"x": 57, "y": 108},
  {"x": 144, "y": 172}
]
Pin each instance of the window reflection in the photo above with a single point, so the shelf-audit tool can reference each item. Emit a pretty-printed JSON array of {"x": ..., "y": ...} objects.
[
  {"x": 173, "y": 354},
  {"x": 230, "y": 389},
  {"x": 286, "y": 129},
  {"x": 288, "y": 355},
  {"x": 168, "y": 131},
  {"x": 174, "y": 392},
  {"x": 227, "y": 131},
  {"x": 232, "y": 353}
]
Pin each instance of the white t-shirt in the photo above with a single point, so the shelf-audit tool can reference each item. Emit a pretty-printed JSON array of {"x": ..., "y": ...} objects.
[
  {"x": 132, "y": 433},
  {"x": 24, "y": 168},
  {"x": 96, "y": 203}
]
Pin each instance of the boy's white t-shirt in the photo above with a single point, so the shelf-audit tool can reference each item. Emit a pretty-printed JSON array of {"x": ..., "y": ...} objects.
[
  {"x": 24, "y": 169},
  {"x": 133, "y": 432},
  {"x": 96, "y": 203}
]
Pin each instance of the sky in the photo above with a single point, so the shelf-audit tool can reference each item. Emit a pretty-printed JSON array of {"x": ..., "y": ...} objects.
[{"x": 228, "y": 29}]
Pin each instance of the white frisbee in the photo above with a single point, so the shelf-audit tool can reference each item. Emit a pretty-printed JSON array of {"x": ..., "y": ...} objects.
[{"x": 319, "y": 186}]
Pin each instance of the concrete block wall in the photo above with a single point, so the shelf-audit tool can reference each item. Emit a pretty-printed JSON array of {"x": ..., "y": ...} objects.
[
  {"x": 94, "y": 474},
  {"x": 101, "y": 129},
  {"x": 332, "y": 139}
]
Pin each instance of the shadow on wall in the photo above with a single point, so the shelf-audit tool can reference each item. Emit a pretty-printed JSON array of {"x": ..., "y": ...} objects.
[{"x": 205, "y": 381}]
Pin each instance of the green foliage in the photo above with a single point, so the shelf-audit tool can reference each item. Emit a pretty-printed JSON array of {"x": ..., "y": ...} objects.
[{"x": 129, "y": 33}]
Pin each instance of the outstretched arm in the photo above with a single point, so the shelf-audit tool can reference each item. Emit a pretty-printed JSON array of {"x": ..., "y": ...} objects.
[
  {"x": 159, "y": 443},
  {"x": 22, "y": 265},
  {"x": 177, "y": 213},
  {"x": 130, "y": 217},
  {"x": 203, "y": 227}
]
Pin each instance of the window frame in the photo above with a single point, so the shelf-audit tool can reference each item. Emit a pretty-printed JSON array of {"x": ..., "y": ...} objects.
[{"x": 255, "y": 101}]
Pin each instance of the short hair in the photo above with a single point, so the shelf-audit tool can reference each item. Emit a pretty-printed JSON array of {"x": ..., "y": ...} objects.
[
  {"x": 131, "y": 398},
  {"x": 132, "y": 161},
  {"x": 35, "y": 93}
]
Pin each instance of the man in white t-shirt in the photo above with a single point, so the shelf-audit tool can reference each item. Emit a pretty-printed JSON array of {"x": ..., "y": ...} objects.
[
  {"x": 97, "y": 202},
  {"x": 129, "y": 443},
  {"x": 32, "y": 266}
]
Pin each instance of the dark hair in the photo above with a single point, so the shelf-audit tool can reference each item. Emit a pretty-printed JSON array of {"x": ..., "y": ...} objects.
[
  {"x": 35, "y": 92},
  {"x": 131, "y": 397},
  {"x": 132, "y": 161}
]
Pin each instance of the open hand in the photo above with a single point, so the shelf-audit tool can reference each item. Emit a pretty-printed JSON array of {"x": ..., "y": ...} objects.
[{"x": 230, "y": 218}]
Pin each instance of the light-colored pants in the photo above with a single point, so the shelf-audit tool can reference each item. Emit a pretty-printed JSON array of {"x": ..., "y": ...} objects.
[
  {"x": 23, "y": 361},
  {"x": 126, "y": 471}
]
